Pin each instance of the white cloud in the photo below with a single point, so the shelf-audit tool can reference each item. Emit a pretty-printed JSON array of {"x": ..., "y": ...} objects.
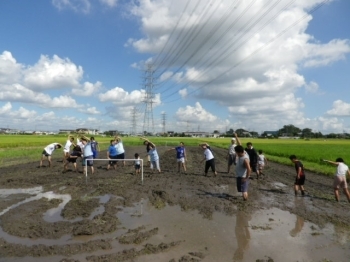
[
  {"x": 10, "y": 71},
  {"x": 78, "y": 6},
  {"x": 311, "y": 87},
  {"x": 22, "y": 113},
  {"x": 183, "y": 93},
  {"x": 121, "y": 97},
  {"x": 195, "y": 114},
  {"x": 55, "y": 73},
  {"x": 91, "y": 111},
  {"x": 340, "y": 108},
  {"x": 87, "y": 89}
]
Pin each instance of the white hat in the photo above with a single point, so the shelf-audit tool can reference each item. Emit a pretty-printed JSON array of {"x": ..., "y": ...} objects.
[{"x": 233, "y": 139}]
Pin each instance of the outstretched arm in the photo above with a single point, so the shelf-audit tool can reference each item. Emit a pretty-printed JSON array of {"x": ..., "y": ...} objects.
[
  {"x": 331, "y": 162},
  {"x": 237, "y": 139}
]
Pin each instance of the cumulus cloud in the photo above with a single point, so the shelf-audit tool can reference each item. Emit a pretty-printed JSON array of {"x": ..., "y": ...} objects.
[
  {"x": 21, "y": 113},
  {"x": 340, "y": 108},
  {"x": 195, "y": 114},
  {"x": 55, "y": 73},
  {"x": 241, "y": 55},
  {"x": 87, "y": 89},
  {"x": 121, "y": 97},
  {"x": 10, "y": 70}
]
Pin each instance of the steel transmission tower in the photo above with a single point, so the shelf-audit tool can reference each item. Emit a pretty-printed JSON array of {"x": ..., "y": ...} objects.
[
  {"x": 163, "y": 121},
  {"x": 148, "y": 122},
  {"x": 133, "y": 120}
]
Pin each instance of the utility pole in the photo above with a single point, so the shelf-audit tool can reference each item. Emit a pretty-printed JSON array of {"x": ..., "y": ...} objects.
[{"x": 148, "y": 122}]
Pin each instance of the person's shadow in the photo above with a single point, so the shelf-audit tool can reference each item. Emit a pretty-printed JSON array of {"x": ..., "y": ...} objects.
[
  {"x": 242, "y": 234},
  {"x": 299, "y": 223}
]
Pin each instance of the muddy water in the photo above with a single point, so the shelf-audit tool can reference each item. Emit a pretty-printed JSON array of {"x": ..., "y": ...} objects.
[
  {"x": 261, "y": 234},
  {"x": 171, "y": 217}
]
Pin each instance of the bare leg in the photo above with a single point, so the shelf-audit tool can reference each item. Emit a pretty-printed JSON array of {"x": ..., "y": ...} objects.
[
  {"x": 346, "y": 192},
  {"x": 49, "y": 159},
  {"x": 336, "y": 194}
]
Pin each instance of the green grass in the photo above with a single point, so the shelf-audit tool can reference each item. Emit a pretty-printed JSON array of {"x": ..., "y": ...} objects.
[{"x": 308, "y": 151}]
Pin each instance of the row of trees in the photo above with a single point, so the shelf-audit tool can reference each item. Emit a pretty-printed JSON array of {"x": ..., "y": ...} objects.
[{"x": 288, "y": 131}]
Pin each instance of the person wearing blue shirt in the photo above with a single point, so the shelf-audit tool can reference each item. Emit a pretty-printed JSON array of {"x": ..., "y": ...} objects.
[
  {"x": 87, "y": 155},
  {"x": 180, "y": 156},
  {"x": 112, "y": 153},
  {"x": 154, "y": 157}
]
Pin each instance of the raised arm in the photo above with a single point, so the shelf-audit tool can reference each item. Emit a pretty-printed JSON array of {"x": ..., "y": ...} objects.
[
  {"x": 330, "y": 162},
  {"x": 237, "y": 139}
]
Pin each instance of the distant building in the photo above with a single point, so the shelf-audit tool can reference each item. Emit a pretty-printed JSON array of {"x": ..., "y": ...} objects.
[{"x": 270, "y": 133}]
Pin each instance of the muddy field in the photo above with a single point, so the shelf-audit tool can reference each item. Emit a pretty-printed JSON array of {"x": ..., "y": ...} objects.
[{"x": 47, "y": 215}]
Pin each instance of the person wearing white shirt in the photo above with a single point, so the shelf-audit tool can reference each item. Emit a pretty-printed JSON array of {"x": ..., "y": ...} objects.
[
  {"x": 340, "y": 178},
  {"x": 48, "y": 150},
  {"x": 209, "y": 159}
]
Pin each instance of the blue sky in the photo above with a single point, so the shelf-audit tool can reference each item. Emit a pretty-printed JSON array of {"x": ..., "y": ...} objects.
[{"x": 258, "y": 65}]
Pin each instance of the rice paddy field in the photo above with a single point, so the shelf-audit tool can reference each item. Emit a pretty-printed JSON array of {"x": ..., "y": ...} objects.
[{"x": 22, "y": 148}]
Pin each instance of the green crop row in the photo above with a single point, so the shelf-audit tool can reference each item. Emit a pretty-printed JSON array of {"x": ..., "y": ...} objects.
[{"x": 308, "y": 151}]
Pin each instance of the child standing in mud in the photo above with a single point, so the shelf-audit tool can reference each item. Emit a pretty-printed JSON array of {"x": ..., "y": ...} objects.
[
  {"x": 87, "y": 155},
  {"x": 243, "y": 171},
  {"x": 137, "y": 164},
  {"x": 180, "y": 156},
  {"x": 262, "y": 162},
  {"x": 209, "y": 159},
  {"x": 154, "y": 157},
  {"x": 300, "y": 177},
  {"x": 340, "y": 178}
]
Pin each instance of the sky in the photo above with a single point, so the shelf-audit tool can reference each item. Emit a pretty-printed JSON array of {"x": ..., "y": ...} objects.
[{"x": 175, "y": 65}]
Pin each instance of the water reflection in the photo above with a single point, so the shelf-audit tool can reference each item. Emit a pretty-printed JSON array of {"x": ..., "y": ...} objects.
[
  {"x": 242, "y": 235},
  {"x": 299, "y": 223}
]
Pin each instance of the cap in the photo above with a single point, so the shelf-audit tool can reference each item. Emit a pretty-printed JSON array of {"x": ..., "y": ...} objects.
[{"x": 233, "y": 139}]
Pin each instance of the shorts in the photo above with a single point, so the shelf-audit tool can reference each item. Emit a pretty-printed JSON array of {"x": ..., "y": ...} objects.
[
  {"x": 137, "y": 167},
  {"x": 242, "y": 186},
  {"x": 231, "y": 160},
  {"x": 66, "y": 151},
  {"x": 72, "y": 160},
  {"x": 121, "y": 156},
  {"x": 45, "y": 153},
  {"x": 261, "y": 166},
  {"x": 113, "y": 162},
  {"x": 89, "y": 161},
  {"x": 181, "y": 160},
  {"x": 209, "y": 163},
  {"x": 300, "y": 181},
  {"x": 340, "y": 182},
  {"x": 155, "y": 164},
  {"x": 253, "y": 167}
]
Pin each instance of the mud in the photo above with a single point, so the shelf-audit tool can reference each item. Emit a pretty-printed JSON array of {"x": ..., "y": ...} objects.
[{"x": 48, "y": 215}]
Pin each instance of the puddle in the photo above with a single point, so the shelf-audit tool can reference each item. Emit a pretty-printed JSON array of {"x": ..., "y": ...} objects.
[
  {"x": 272, "y": 233},
  {"x": 31, "y": 191}
]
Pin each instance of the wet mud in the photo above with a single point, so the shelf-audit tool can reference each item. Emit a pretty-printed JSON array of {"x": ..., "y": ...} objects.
[{"x": 115, "y": 215}]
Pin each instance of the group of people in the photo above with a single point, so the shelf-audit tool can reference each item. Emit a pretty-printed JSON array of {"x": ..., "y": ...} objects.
[
  {"x": 246, "y": 160},
  {"x": 86, "y": 148}
]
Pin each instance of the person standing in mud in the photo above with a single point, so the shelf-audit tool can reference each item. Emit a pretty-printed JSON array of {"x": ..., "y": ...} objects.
[
  {"x": 253, "y": 158},
  {"x": 148, "y": 147},
  {"x": 72, "y": 158},
  {"x": 87, "y": 155},
  {"x": 112, "y": 155},
  {"x": 48, "y": 152},
  {"x": 262, "y": 162},
  {"x": 120, "y": 149},
  {"x": 95, "y": 147},
  {"x": 231, "y": 154},
  {"x": 340, "y": 178},
  {"x": 243, "y": 171},
  {"x": 209, "y": 159},
  {"x": 300, "y": 177},
  {"x": 67, "y": 146},
  {"x": 180, "y": 156},
  {"x": 154, "y": 157}
]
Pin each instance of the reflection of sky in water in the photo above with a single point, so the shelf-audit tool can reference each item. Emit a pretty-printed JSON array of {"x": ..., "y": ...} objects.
[{"x": 242, "y": 237}]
